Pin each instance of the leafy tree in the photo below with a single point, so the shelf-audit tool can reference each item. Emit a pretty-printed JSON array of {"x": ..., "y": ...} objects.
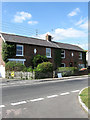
[
  {"x": 8, "y": 50},
  {"x": 38, "y": 59}
]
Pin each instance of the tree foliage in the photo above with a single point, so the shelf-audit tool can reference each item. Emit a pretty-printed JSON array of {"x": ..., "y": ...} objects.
[
  {"x": 8, "y": 50},
  {"x": 38, "y": 59}
]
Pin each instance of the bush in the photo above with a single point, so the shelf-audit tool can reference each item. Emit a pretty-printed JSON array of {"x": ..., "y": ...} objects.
[
  {"x": 29, "y": 69},
  {"x": 38, "y": 59},
  {"x": 44, "y": 67},
  {"x": 13, "y": 66},
  {"x": 8, "y": 50},
  {"x": 67, "y": 71}
]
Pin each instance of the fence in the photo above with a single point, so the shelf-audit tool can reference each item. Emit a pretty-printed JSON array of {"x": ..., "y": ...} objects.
[{"x": 20, "y": 75}]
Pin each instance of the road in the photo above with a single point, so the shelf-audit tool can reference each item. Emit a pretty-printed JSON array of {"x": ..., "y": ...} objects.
[{"x": 45, "y": 100}]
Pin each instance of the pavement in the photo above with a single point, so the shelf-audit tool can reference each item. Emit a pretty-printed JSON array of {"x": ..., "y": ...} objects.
[
  {"x": 57, "y": 99},
  {"x": 4, "y": 80}
]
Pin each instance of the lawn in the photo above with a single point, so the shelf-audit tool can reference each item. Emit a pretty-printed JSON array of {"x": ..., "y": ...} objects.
[{"x": 85, "y": 96}]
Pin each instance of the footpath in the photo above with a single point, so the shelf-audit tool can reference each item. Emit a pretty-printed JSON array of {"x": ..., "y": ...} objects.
[{"x": 4, "y": 80}]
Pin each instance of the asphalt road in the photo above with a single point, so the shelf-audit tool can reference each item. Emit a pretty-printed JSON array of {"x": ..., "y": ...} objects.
[{"x": 45, "y": 100}]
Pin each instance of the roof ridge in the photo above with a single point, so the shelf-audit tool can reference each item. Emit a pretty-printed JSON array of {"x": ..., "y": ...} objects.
[{"x": 22, "y": 36}]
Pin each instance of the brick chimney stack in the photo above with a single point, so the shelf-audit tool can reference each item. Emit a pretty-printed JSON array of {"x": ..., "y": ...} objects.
[{"x": 48, "y": 37}]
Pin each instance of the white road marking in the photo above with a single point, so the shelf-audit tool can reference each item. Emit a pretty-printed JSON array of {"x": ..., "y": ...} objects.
[
  {"x": 18, "y": 103},
  {"x": 52, "y": 96},
  {"x": 38, "y": 99},
  {"x": 75, "y": 91},
  {"x": 2, "y": 106},
  {"x": 66, "y": 93}
]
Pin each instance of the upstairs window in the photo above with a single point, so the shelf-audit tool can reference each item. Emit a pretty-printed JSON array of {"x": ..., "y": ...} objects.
[
  {"x": 19, "y": 50},
  {"x": 62, "y": 53},
  {"x": 62, "y": 64},
  {"x": 48, "y": 52},
  {"x": 80, "y": 55}
]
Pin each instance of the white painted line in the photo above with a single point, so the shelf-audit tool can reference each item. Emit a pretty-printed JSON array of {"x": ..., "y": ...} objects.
[
  {"x": 52, "y": 96},
  {"x": 66, "y": 93},
  {"x": 38, "y": 99},
  {"x": 75, "y": 91},
  {"x": 2, "y": 106},
  {"x": 18, "y": 103}
]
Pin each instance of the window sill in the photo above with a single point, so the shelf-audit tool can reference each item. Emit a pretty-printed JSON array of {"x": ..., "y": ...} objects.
[
  {"x": 19, "y": 55},
  {"x": 48, "y": 57}
]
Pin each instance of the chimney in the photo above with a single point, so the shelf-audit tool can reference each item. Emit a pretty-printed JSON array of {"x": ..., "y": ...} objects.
[{"x": 48, "y": 37}]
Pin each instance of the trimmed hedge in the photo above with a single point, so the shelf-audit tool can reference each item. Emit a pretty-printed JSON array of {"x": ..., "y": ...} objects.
[
  {"x": 44, "y": 67},
  {"x": 67, "y": 71},
  {"x": 13, "y": 66}
]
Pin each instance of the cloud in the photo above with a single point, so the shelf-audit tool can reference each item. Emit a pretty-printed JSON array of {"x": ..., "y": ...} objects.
[
  {"x": 74, "y": 12},
  {"x": 32, "y": 22},
  {"x": 21, "y": 16},
  {"x": 69, "y": 33},
  {"x": 61, "y": 34},
  {"x": 82, "y": 23}
]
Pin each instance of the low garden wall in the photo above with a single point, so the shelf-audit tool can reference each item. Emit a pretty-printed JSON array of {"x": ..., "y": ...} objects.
[
  {"x": 20, "y": 75},
  {"x": 28, "y": 75}
]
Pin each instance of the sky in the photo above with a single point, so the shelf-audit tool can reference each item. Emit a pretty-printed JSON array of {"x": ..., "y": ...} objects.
[{"x": 66, "y": 22}]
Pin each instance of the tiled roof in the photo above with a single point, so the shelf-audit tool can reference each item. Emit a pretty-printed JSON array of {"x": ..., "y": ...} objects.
[{"x": 40, "y": 42}]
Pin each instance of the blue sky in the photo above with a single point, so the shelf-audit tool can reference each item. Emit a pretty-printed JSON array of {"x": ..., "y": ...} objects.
[{"x": 67, "y": 22}]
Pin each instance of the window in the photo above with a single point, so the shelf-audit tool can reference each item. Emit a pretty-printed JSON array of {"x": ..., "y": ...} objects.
[
  {"x": 35, "y": 51},
  {"x": 19, "y": 50},
  {"x": 81, "y": 66},
  {"x": 48, "y": 52},
  {"x": 62, "y": 64},
  {"x": 72, "y": 54},
  {"x": 18, "y": 60},
  {"x": 80, "y": 55},
  {"x": 62, "y": 53}
]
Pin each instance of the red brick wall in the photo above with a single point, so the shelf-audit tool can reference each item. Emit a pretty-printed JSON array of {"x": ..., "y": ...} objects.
[
  {"x": 68, "y": 58},
  {"x": 29, "y": 52},
  {"x": 1, "y": 61}
]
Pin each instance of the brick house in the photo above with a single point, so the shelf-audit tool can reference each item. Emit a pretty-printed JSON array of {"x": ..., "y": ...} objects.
[{"x": 26, "y": 47}]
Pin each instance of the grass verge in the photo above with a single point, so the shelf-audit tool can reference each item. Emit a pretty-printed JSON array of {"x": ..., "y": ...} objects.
[{"x": 85, "y": 96}]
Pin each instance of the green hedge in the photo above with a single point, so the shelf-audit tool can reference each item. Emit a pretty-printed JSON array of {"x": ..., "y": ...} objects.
[
  {"x": 13, "y": 66},
  {"x": 67, "y": 71},
  {"x": 44, "y": 67}
]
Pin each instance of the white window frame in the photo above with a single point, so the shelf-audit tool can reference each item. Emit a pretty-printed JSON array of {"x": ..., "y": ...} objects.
[
  {"x": 22, "y": 60},
  {"x": 22, "y": 49},
  {"x": 50, "y": 52},
  {"x": 80, "y": 55},
  {"x": 63, "y": 53},
  {"x": 64, "y": 64}
]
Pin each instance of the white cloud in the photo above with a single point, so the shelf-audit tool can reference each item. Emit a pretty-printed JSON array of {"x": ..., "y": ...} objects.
[
  {"x": 21, "y": 16},
  {"x": 61, "y": 34},
  {"x": 83, "y": 23},
  {"x": 74, "y": 12},
  {"x": 32, "y": 22},
  {"x": 69, "y": 33}
]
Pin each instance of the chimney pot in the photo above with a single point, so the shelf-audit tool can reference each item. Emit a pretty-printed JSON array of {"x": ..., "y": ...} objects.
[{"x": 48, "y": 37}]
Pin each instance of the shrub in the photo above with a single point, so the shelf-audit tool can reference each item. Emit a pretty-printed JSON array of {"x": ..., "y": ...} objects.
[
  {"x": 13, "y": 66},
  {"x": 38, "y": 59},
  {"x": 67, "y": 71},
  {"x": 45, "y": 67},
  {"x": 8, "y": 50},
  {"x": 29, "y": 69}
]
